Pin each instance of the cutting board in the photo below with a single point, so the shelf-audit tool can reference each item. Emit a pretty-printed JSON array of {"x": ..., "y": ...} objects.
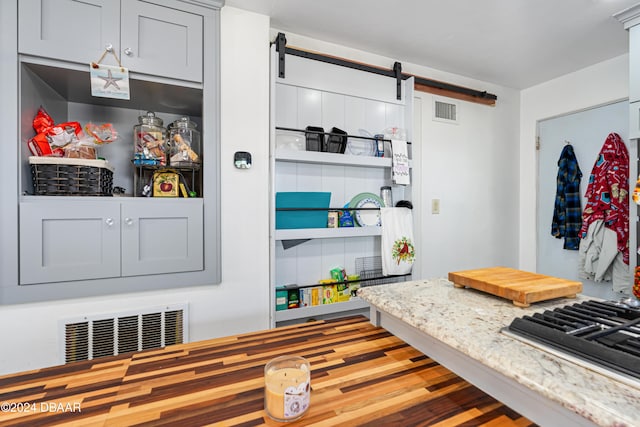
[{"x": 521, "y": 287}]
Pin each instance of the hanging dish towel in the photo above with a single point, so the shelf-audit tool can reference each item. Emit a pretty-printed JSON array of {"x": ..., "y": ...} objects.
[
  {"x": 400, "y": 162},
  {"x": 398, "y": 252}
]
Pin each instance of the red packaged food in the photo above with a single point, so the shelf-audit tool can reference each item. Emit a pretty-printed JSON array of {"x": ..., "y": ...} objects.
[
  {"x": 50, "y": 137},
  {"x": 39, "y": 145},
  {"x": 42, "y": 121}
]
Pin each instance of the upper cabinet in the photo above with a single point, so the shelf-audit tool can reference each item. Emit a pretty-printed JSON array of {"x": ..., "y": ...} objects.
[
  {"x": 634, "y": 63},
  {"x": 631, "y": 19},
  {"x": 147, "y": 38}
]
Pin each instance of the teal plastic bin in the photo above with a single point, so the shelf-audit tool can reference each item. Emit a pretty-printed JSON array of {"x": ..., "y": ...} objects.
[{"x": 302, "y": 218}]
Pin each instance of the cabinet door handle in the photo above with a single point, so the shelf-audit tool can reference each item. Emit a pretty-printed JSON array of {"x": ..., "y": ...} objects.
[
  {"x": 109, "y": 222},
  {"x": 128, "y": 51},
  {"x": 108, "y": 47},
  {"x": 128, "y": 221}
]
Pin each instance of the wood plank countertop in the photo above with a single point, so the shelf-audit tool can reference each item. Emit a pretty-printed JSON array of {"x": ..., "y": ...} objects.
[{"x": 360, "y": 375}]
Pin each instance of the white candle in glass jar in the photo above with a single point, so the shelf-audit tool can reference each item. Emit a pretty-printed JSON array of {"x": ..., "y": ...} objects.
[{"x": 287, "y": 381}]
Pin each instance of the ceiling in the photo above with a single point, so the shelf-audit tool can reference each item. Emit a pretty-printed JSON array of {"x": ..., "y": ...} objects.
[{"x": 513, "y": 43}]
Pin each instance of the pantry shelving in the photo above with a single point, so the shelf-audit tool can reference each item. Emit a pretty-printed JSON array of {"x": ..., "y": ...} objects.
[
  {"x": 315, "y": 157},
  {"x": 303, "y": 257},
  {"x": 320, "y": 310},
  {"x": 326, "y": 233}
]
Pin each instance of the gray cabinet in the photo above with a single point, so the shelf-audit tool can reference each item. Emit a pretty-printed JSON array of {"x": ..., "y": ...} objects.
[
  {"x": 630, "y": 17},
  {"x": 56, "y": 247},
  {"x": 162, "y": 236},
  {"x": 161, "y": 41},
  {"x": 634, "y": 82},
  {"x": 148, "y": 38},
  {"x": 68, "y": 29},
  {"x": 634, "y": 120},
  {"x": 634, "y": 64},
  {"x": 60, "y": 241},
  {"x": 63, "y": 242}
]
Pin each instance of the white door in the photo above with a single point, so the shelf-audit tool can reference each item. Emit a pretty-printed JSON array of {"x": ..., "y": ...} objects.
[
  {"x": 162, "y": 236},
  {"x": 62, "y": 241},
  {"x": 586, "y": 131}
]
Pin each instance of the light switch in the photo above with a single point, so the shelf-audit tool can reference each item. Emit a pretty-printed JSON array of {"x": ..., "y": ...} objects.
[{"x": 435, "y": 206}]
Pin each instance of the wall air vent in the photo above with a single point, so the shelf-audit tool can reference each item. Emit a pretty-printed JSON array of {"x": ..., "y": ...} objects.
[
  {"x": 91, "y": 337},
  {"x": 445, "y": 111}
]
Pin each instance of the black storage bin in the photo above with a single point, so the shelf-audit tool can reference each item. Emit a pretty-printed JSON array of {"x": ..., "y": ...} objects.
[
  {"x": 336, "y": 141},
  {"x": 55, "y": 176},
  {"x": 315, "y": 138}
]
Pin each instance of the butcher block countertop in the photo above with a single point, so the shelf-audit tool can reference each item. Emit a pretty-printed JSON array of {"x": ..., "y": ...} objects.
[
  {"x": 360, "y": 375},
  {"x": 461, "y": 329}
]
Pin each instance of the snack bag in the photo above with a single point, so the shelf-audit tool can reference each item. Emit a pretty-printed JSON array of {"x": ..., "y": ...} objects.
[
  {"x": 338, "y": 274},
  {"x": 42, "y": 121},
  {"x": 51, "y": 138},
  {"x": 100, "y": 134}
]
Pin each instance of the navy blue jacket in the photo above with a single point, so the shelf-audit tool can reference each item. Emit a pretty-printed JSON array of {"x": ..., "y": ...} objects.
[{"x": 567, "y": 213}]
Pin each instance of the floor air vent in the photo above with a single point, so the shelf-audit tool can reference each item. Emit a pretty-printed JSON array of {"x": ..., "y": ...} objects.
[
  {"x": 88, "y": 338},
  {"x": 445, "y": 111}
]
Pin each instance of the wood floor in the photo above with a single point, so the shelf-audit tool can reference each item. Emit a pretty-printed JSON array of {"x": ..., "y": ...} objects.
[{"x": 361, "y": 376}]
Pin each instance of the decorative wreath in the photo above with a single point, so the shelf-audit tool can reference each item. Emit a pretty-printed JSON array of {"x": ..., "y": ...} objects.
[{"x": 403, "y": 250}]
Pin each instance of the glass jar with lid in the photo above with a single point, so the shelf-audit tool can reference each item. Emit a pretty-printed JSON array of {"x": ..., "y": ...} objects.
[
  {"x": 149, "y": 137},
  {"x": 184, "y": 143}
]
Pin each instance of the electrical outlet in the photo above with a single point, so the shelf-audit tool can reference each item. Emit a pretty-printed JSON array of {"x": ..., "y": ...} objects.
[{"x": 435, "y": 206}]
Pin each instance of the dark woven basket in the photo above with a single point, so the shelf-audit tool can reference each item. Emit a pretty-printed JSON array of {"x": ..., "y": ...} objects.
[{"x": 71, "y": 180}]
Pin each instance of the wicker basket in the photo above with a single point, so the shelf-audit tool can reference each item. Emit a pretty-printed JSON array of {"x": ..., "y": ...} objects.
[{"x": 54, "y": 176}]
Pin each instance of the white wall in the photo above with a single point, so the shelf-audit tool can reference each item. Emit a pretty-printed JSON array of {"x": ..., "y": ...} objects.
[
  {"x": 471, "y": 169},
  {"x": 241, "y": 302},
  {"x": 596, "y": 85}
]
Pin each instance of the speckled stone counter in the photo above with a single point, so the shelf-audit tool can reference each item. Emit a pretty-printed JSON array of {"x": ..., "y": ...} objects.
[{"x": 458, "y": 326}]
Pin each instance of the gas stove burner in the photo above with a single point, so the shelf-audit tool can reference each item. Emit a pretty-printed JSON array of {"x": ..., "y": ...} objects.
[{"x": 605, "y": 333}]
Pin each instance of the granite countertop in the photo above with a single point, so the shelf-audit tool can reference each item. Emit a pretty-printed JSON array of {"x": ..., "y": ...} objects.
[{"x": 470, "y": 321}]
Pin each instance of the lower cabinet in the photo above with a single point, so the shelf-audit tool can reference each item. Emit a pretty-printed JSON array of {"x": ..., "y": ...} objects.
[
  {"x": 62, "y": 241},
  {"x": 162, "y": 238}
]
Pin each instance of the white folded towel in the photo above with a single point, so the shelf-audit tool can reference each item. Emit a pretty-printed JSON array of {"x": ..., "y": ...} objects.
[
  {"x": 398, "y": 251},
  {"x": 400, "y": 162}
]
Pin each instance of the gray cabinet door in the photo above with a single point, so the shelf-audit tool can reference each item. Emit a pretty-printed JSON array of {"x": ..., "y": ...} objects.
[
  {"x": 161, "y": 41},
  {"x": 71, "y": 30},
  {"x": 148, "y": 38},
  {"x": 634, "y": 64},
  {"x": 61, "y": 241},
  {"x": 162, "y": 236}
]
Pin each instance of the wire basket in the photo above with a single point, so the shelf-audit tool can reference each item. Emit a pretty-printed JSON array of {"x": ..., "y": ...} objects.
[
  {"x": 71, "y": 177},
  {"x": 370, "y": 271}
]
